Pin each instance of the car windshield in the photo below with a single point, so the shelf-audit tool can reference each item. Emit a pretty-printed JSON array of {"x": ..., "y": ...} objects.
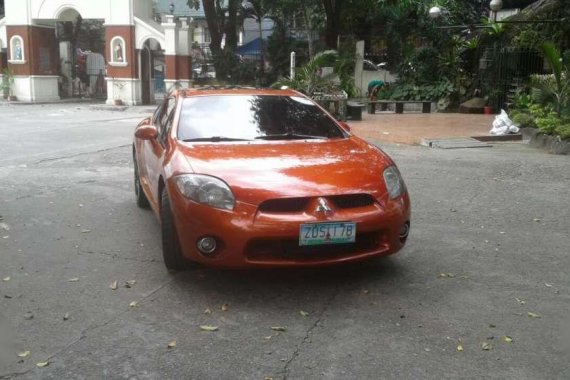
[{"x": 250, "y": 117}]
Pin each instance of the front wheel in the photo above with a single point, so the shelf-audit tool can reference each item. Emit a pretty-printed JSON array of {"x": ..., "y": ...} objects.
[
  {"x": 171, "y": 251},
  {"x": 142, "y": 200}
]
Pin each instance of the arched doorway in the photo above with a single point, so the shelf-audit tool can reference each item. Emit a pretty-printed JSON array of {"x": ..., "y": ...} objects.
[
  {"x": 81, "y": 48},
  {"x": 152, "y": 71}
]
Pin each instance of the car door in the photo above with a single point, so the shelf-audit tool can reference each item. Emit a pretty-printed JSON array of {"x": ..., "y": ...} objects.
[{"x": 155, "y": 149}]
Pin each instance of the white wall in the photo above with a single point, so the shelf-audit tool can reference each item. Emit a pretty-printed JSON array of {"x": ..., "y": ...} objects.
[
  {"x": 115, "y": 12},
  {"x": 3, "y": 38}
]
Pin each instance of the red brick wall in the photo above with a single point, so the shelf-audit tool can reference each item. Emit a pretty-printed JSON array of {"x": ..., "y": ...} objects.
[
  {"x": 24, "y": 32},
  {"x": 178, "y": 67},
  {"x": 127, "y": 32},
  {"x": 3, "y": 62},
  {"x": 41, "y": 52}
]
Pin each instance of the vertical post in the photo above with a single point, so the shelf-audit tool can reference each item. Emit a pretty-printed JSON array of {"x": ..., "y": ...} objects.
[{"x": 292, "y": 68}]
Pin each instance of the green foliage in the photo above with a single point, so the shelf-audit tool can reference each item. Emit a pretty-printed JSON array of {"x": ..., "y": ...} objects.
[
  {"x": 279, "y": 48},
  {"x": 432, "y": 92},
  {"x": 548, "y": 123},
  {"x": 553, "y": 88},
  {"x": 523, "y": 120},
  {"x": 522, "y": 101},
  {"x": 528, "y": 39},
  {"x": 308, "y": 78},
  {"x": 7, "y": 81},
  {"x": 563, "y": 131}
]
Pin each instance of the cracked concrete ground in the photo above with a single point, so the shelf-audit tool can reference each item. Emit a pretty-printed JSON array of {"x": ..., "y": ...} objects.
[{"x": 489, "y": 245}]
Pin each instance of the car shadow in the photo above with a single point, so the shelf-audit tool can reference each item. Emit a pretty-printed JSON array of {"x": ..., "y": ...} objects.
[{"x": 379, "y": 272}]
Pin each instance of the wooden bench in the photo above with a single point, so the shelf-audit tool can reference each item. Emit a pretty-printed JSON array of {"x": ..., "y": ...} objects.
[{"x": 426, "y": 105}]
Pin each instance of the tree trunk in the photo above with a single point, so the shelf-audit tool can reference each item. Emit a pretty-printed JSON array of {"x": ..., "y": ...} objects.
[
  {"x": 213, "y": 27},
  {"x": 308, "y": 30},
  {"x": 231, "y": 26},
  {"x": 261, "y": 59},
  {"x": 332, "y": 10}
]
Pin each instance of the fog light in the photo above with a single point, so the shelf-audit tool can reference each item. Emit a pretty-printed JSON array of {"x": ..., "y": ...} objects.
[
  {"x": 207, "y": 245},
  {"x": 404, "y": 231}
]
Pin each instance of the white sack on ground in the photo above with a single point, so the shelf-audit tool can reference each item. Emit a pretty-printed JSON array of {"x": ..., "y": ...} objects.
[{"x": 503, "y": 125}]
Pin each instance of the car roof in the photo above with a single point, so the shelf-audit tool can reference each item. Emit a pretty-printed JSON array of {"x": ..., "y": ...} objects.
[{"x": 233, "y": 90}]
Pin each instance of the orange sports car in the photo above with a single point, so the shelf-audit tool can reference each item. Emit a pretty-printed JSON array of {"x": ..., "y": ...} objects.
[{"x": 265, "y": 178}]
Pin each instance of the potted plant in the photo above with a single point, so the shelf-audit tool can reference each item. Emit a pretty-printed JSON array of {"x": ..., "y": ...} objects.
[
  {"x": 7, "y": 84},
  {"x": 492, "y": 100}
]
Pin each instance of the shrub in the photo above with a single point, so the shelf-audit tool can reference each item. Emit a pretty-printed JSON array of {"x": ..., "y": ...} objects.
[
  {"x": 524, "y": 120},
  {"x": 548, "y": 123},
  {"x": 563, "y": 131}
]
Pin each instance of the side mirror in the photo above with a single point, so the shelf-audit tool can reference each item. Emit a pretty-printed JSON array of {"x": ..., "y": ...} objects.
[
  {"x": 146, "y": 132},
  {"x": 344, "y": 126}
]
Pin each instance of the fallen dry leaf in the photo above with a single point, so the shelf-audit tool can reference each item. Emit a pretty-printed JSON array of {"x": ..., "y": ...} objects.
[
  {"x": 114, "y": 285},
  {"x": 269, "y": 337},
  {"x": 6, "y": 278},
  {"x": 507, "y": 339},
  {"x": 208, "y": 328},
  {"x": 24, "y": 354},
  {"x": 130, "y": 283},
  {"x": 304, "y": 313},
  {"x": 548, "y": 285},
  {"x": 42, "y": 364},
  {"x": 533, "y": 315},
  {"x": 278, "y": 328},
  {"x": 74, "y": 279},
  {"x": 133, "y": 304},
  {"x": 486, "y": 346},
  {"x": 460, "y": 346},
  {"x": 172, "y": 344},
  {"x": 225, "y": 307}
]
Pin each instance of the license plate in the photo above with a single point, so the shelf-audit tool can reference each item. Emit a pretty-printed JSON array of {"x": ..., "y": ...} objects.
[{"x": 327, "y": 233}]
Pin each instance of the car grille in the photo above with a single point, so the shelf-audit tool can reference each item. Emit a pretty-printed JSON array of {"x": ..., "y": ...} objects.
[
  {"x": 352, "y": 200},
  {"x": 284, "y": 205},
  {"x": 289, "y": 249},
  {"x": 288, "y": 205}
]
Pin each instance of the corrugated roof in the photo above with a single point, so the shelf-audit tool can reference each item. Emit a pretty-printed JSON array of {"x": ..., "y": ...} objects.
[{"x": 181, "y": 8}]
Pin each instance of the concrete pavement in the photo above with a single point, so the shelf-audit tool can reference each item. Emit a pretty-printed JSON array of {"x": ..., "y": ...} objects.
[{"x": 487, "y": 258}]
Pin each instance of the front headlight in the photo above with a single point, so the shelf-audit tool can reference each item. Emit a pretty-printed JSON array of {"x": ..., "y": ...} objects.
[
  {"x": 206, "y": 190},
  {"x": 394, "y": 182}
]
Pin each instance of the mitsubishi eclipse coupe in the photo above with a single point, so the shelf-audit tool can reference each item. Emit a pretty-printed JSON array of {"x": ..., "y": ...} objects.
[{"x": 265, "y": 178}]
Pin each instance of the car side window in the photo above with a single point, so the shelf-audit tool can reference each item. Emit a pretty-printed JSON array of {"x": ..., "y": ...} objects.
[{"x": 166, "y": 119}]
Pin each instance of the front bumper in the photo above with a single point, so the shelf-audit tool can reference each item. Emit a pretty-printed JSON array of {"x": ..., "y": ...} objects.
[{"x": 248, "y": 237}]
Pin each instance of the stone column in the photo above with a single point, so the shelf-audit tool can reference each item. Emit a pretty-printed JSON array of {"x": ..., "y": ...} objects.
[
  {"x": 183, "y": 57},
  {"x": 123, "y": 83},
  {"x": 171, "y": 37}
]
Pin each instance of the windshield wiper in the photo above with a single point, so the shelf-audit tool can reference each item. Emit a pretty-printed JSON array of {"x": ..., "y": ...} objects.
[
  {"x": 290, "y": 136},
  {"x": 214, "y": 139}
]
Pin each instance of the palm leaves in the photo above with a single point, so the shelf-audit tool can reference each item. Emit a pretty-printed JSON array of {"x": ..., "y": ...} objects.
[
  {"x": 553, "y": 88},
  {"x": 308, "y": 79}
]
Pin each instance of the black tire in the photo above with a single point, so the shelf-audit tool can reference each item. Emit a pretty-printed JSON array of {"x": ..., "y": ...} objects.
[
  {"x": 142, "y": 200},
  {"x": 171, "y": 251}
]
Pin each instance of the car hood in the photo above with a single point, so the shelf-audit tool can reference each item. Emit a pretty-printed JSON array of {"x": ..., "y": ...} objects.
[{"x": 259, "y": 171}]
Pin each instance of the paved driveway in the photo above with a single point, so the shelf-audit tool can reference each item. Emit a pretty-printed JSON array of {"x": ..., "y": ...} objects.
[{"x": 487, "y": 258}]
